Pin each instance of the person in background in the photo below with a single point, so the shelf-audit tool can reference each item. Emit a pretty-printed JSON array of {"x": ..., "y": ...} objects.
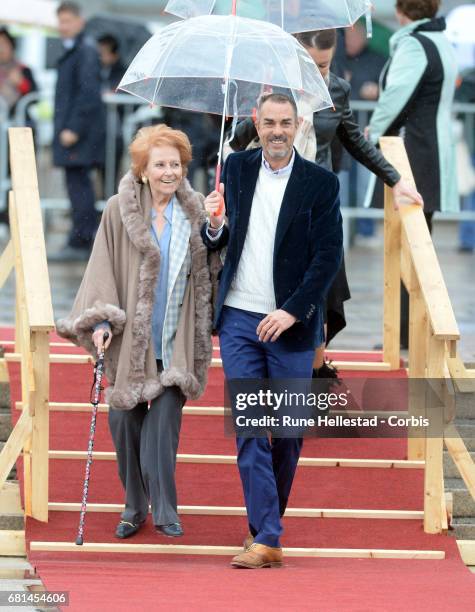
[
  {"x": 362, "y": 65},
  {"x": 113, "y": 68},
  {"x": 112, "y": 71},
  {"x": 79, "y": 128},
  {"x": 16, "y": 81},
  {"x": 466, "y": 94},
  {"x": 362, "y": 69},
  {"x": 418, "y": 87}
]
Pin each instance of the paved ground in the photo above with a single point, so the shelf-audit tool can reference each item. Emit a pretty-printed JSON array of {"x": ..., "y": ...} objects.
[{"x": 365, "y": 270}]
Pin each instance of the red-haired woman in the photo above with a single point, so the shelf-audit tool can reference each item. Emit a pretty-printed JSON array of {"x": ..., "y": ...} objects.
[{"x": 148, "y": 283}]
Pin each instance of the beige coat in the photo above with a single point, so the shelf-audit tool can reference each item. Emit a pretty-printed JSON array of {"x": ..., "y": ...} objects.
[{"x": 119, "y": 286}]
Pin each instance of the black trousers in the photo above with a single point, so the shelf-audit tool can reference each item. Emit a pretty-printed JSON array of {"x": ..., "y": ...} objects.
[
  {"x": 146, "y": 442},
  {"x": 82, "y": 197},
  {"x": 404, "y": 330}
]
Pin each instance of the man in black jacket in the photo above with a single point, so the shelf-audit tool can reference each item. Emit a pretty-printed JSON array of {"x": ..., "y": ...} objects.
[{"x": 79, "y": 127}]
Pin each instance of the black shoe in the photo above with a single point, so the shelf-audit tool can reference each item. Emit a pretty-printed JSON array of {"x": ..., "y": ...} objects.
[
  {"x": 69, "y": 253},
  {"x": 173, "y": 530},
  {"x": 125, "y": 529}
]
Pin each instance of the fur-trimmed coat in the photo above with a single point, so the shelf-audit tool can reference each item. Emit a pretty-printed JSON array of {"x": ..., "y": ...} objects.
[{"x": 119, "y": 287}]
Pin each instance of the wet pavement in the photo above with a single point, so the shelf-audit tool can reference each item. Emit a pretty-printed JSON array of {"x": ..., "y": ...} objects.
[{"x": 364, "y": 264}]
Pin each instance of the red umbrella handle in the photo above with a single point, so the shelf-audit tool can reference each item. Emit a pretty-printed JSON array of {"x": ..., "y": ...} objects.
[{"x": 216, "y": 186}]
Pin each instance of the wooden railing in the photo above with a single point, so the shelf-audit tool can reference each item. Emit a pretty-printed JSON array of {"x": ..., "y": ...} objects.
[
  {"x": 409, "y": 256},
  {"x": 25, "y": 254}
]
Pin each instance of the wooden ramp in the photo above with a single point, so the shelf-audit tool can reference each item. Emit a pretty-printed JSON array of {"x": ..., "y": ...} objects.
[{"x": 380, "y": 503}]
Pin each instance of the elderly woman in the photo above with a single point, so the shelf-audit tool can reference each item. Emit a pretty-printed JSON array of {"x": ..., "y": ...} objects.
[{"x": 148, "y": 283}]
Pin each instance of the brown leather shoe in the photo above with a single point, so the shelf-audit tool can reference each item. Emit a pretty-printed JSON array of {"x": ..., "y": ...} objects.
[
  {"x": 248, "y": 540},
  {"x": 258, "y": 556}
]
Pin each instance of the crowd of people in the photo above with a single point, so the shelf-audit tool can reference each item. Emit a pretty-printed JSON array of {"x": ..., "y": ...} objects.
[{"x": 167, "y": 265}]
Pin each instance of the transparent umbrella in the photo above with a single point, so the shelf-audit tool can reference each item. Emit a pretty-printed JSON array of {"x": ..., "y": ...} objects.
[
  {"x": 218, "y": 64},
  {"x": 291, "y": 15}
]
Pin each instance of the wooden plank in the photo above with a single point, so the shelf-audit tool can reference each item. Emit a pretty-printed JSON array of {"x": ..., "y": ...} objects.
[
  {"x": 467, "y": 551},
  {"x": 32, "y": 243},
  {"x": 10, "y": 499},
  {"x": 418, "y": 336},
  {"x": 55, "y": 358},
  {"x": 406, "y": 264},
  {"x": 443, "y": 508},
  {"x": 365, "y": 366},
  {"x": 231, "y": 459},
  {"x": 19, "y": 280},
  {"x": 13, "y": 445},
  {"x": 392, "y": 286},
  {"x": 449, "y": 504},
  {"x": 190, "y": 549},
  {"x": 7, "y": 262},
  {"x": 354, "y": 366},
  {"x": 460, "y": 456},
  {"x": 241, "y": 511},
  {"x": 40, "y": 433},
  {"x": 217, "y": 411},
  {"x": 52, "y": 344},
  {"x": 12, "y": 543},
  {"x": 4, "y": 377},
  {"x": 424, "y": 258},
  {"x": 434, "y": 499},
  {"x": 370, "y": 366},
  {"x": 463, "y": 378}
]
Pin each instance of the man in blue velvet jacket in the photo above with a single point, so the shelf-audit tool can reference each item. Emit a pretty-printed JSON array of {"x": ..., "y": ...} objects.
[{"x": 284, "y": 246}]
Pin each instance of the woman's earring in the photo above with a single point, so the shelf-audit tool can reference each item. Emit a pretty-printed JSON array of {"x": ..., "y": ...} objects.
[{"x": 144, "y": 180}]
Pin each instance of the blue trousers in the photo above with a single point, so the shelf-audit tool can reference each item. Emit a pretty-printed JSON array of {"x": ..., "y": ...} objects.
[{"x": 267, "y": 468}]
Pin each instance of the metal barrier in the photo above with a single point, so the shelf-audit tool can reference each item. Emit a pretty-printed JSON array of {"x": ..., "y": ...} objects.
[
  {"x": 136, "y": 113},
  {"x": 4, "y": 125}
]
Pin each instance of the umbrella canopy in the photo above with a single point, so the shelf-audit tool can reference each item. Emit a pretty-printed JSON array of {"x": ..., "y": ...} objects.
[
  {"x": 131, "y": 35},
  {"x": 460, "y": 25},
  {"x": 291, "y": 15},
  {"x": 221, "y": 65}
]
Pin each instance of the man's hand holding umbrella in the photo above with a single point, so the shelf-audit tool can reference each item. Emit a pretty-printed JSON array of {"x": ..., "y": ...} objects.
[{"x": 214, "y": 205}]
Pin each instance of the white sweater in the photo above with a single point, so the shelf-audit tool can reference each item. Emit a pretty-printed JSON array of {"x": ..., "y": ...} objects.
[{"x": 252, "y": 288}]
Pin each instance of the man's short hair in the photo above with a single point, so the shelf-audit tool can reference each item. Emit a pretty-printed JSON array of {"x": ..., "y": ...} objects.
[
  {"x": 318, "y": 39},
  {"x": 110, "y": 42},
  {"x": 418, "y": 9},
  {"x": 69, "y": 7},
  {"x": 278, "y": 98}
]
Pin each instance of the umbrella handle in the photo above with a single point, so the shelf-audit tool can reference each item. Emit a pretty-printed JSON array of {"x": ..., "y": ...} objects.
[{"x": 216, "y": 186}]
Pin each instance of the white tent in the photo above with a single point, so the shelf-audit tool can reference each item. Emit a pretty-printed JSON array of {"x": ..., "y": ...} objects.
[{"x": 29, "y": 12}]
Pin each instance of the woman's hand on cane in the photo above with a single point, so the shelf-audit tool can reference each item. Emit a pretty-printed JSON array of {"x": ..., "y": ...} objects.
[{"x": 98, "y": 339}]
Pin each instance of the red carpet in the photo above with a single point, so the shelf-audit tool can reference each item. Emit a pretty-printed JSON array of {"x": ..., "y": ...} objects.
[{"x": 103, "y": 582}]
